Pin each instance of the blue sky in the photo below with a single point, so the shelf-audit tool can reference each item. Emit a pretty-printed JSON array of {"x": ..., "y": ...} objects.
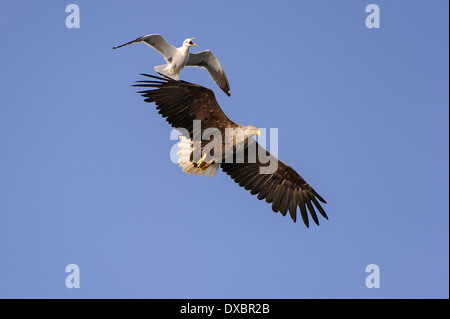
[{"x": 86, "y": 177}]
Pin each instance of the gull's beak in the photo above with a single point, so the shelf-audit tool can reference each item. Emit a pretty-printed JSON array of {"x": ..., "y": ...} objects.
[
  {"x": 192, "y": 43},
  {"x": 258, "y": 132}
]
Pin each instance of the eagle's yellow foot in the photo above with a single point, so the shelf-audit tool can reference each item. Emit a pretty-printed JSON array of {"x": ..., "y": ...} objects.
[
  {"x": 204, "y": 166},
  {"x": 201, "y": 164}
]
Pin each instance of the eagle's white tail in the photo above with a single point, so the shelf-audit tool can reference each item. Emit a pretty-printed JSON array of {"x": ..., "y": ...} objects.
[{"x": 184, "y": 159}]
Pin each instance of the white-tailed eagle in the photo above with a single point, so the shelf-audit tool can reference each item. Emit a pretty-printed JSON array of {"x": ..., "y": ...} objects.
[{"x": 182, "y": 104}]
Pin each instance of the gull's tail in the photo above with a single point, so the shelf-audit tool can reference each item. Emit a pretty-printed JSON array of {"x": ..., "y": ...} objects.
[{"x": 163, "y": 69}]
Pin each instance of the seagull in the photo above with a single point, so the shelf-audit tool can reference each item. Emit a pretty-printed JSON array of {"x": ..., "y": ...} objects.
[{"x": 178, "y": 58}]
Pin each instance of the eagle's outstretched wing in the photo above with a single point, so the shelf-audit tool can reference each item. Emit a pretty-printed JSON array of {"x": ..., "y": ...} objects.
[
  {"x": 180, "y": 103},
  {"x": 283, "y": 186}
]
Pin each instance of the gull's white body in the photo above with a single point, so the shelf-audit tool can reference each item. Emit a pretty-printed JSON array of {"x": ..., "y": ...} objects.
[{"x": 176, "y": 60}]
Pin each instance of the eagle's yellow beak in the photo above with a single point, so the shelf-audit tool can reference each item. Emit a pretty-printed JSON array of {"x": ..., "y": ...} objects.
[
  {"x": 258, "y": 132},
  {"x": 192, "y": 43}
]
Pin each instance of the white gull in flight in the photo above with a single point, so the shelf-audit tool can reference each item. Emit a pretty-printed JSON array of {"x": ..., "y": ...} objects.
[{"x": 178, "y": 58}]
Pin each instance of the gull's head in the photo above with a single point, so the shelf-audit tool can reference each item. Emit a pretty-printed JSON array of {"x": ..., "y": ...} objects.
[{"x": 188, "y": 42}]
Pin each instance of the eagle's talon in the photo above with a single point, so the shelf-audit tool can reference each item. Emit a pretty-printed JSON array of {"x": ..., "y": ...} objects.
[{"x": 201, "y": 164}]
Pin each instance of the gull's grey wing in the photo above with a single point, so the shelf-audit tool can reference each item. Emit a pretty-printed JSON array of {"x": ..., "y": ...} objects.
[
  {"x": 157, "y": 42},
  {"x": 208, "y": 60}
]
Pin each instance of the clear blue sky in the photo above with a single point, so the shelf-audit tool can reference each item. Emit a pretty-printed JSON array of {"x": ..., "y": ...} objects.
[{"x": 86, "y": 177}]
